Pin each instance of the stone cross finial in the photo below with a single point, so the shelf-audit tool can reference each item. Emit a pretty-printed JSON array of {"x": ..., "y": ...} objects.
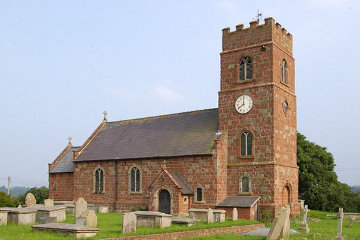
[
  {"x": 69, "y": 139},
  {"x": 105, "y": 113}
]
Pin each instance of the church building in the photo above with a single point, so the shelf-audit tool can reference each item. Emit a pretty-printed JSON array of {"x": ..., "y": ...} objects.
[{"x": 241, "y": 154}]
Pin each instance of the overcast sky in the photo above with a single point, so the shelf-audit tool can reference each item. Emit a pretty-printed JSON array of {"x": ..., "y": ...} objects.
[{"x": 63, "y": 62}]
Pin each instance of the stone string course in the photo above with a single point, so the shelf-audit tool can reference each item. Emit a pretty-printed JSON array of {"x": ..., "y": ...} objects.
[{"x": 195, "y": 233}]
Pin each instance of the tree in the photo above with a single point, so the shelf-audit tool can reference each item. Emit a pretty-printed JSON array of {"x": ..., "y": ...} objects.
[
  {"x": 318, "y": 183},
  {"x": 7, "y": 200}
]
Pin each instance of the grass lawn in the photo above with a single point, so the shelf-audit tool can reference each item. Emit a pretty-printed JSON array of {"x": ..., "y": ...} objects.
[
  {"x": 318, "y": 223},
  {"x": 110, "y": 227}
]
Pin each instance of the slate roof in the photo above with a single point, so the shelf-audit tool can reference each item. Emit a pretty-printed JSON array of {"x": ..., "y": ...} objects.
[
  {"x": 186, "y": 190},
  {"x": 65, "y": 163},
  {"x": 182, "y": 134},
  {"x": 238, "y": 201}
]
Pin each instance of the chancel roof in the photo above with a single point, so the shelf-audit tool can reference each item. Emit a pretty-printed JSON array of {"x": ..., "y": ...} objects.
[
  {"x": 183, "y": 134},
  {"x": 239, "y": 201},
  {"x": 65, "y": 163}
]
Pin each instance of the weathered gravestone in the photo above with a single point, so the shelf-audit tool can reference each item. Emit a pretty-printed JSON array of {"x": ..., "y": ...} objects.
[
  {"x": 340, "y": 217},
  {"x": 304, "y": 226},
  {"x": 3, "y": 216},
  {"x": 235, "y": 216},
  {"x": 280, "y": 226},
  {"x": 30, "y": 200},
  {"x": 210, "y": 216},
  {"x": 351, "y": 222},
  {"x": 91, "y": 219},
  {"x": 128, "y": 224},
  {"x": 49, "y": 202},
  {"x": 80, "y": 211}
]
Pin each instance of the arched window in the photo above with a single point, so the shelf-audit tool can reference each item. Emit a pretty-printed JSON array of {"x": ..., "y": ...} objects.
[
  {"x": 246, "y": 144},
  {"x": 98, "y": 180},
  {"x": 135, "y": 179},
  {"x": 284, "y": 71},
  {"x": 199, "y": 194},
  {"x": 245, "y": 184},
  {"x": 245, "y": 69}
]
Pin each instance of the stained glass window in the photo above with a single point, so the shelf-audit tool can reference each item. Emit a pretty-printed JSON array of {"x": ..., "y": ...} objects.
[
  {"x": 99, "y": 181},
  {"x": 135, "y": 179}
]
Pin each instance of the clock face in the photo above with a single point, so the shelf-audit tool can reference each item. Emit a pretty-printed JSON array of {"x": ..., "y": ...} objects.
[{"x": 243, "y": 104}]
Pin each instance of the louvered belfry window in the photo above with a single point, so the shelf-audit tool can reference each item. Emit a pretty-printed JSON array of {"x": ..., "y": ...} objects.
[
  {"x": 99, "y": 181},
  {"x": 284, "y": 71},
  {"x": 135, "y": 179},
  {"x": 245, "y": 69}
]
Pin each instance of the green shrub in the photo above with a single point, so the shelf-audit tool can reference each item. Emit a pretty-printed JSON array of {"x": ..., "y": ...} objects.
[
  {"x": 7, "y": 200},
  {"x": 40, "y": 194}
]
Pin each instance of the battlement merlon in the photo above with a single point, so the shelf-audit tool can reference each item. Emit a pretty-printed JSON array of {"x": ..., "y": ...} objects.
[{"x": 263, "y": 34}]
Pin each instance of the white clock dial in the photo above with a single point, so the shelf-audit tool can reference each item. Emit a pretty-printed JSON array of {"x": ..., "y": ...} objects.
[{"x": 243, "y": 104}]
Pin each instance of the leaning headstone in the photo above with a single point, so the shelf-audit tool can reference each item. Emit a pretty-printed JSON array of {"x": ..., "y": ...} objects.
[
  {"x": 278, "y": 228},
  {"x": 340, "y": 217},
  {"x": 49, "y": 202},
  {"x": 304, "y": 226},
  {"x": 30, "y": 200},
  {"x": 235, "y": 216},
  {"x": 91, "y": 219},
  {"x": 210, "y": 216},
  {"x": 80, "y": 208},
  {"x": 128, "y": 224}
]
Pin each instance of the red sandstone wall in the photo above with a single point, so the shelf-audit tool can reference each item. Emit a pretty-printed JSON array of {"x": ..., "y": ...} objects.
[
  {"x": 195, "y": 170},
  {"x": 61, "y": 186}
]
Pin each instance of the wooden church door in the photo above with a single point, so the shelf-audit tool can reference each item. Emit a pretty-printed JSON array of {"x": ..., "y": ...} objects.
[{"x": 164, "y": 201}]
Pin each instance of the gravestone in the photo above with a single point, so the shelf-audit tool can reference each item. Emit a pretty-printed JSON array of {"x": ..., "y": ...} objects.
[
  {"x": 80, "y": 221},
  {"x": 210, "y": 216},
  {"x": 304, "y": 226},
  {"x": 103, "y": 209},
  {"x": 30, "y": 200},
  {"x": 235, "y": 216},
  {"x": 351, "y": 222},
  {"x": 128, "y": 224},
  {"x": 3, "y": 216},
  {"x": 340, "y": 217},
  {"x": 80, "y": 208},
  {"x": 45, "y": 220},
  {"x": 49, "y": 202},
  {"x": 280, "y": 225},
  {"x": 91, "y": 219}
]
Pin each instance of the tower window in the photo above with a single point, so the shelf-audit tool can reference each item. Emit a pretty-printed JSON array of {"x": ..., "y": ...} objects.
[
  {"x": 245, "y": 69},
  {"x": 135, "y": 179},
  {"x": 98, "y": 180},
  {"x": 199, "y": 194},
  {"x": 245, "y": 184},
  {"x": 246, "y": 144},
  {"x": 284, "y": 71}
]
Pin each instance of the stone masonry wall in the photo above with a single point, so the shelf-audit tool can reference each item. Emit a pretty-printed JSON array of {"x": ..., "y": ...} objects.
[
  {"x": 195, "y": 171},
  {"x": 61, "y": 186}
]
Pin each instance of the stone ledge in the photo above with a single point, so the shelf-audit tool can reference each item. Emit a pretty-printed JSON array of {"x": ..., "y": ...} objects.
[
  {"x": 194, "y": 233},
  {"x": 62, "y": 228}
]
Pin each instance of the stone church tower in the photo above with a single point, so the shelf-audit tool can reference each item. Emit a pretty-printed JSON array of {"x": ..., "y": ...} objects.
[{"x": 257, "y": 113}]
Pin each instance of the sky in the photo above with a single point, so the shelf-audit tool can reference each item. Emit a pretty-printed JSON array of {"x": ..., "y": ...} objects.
[{"x": 63, "y": 62}]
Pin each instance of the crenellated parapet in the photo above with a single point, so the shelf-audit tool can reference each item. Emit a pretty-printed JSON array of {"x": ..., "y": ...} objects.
[{"x": 255, "y": 34}]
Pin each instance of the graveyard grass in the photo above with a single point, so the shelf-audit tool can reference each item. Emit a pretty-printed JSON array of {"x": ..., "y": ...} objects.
[{"x": 110, "y": 227}]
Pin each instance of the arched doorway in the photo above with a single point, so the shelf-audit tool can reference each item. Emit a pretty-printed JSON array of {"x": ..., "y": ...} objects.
[
  {"x": 164, "y": 201},
  {"x": 286, "y": 196}
]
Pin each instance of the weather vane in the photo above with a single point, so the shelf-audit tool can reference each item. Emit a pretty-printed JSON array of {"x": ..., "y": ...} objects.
[
  {"x": 105, "y": 113},
  {"x": 258, "y": 17},
  {"x": 69, "y": 139}
]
